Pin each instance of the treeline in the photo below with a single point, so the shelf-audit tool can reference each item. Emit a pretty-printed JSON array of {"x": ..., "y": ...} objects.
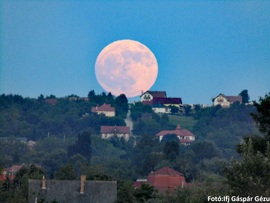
[{"x": 66, "y": 117}]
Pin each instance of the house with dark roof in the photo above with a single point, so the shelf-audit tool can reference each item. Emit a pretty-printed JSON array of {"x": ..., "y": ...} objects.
[
  {"x": 149, "y": 95},
  {"x": 75, "y": 191},
  {"x": 184, "y": 136},
  {"x": 164, "y": 179},
  {"x": 105, "y": 109},
  {"x": 160, "y": 102},
  {"x": 226, "y": 101},
  {"x": 117, "y": 131}
]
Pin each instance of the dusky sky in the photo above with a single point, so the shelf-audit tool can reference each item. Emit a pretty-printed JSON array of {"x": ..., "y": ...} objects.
[{"x": 203, "y": 48}]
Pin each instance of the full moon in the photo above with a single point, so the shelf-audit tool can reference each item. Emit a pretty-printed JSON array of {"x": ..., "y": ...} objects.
[{"x": 126, "y": 67}]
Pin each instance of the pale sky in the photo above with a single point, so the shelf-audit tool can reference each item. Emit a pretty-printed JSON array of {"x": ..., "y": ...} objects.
[{"x": 203, "y": 48}]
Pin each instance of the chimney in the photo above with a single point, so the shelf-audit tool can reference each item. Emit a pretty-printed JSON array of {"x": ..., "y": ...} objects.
[
  {"x": 83, "y": 178},
  {"x": 43, "y": 183}
]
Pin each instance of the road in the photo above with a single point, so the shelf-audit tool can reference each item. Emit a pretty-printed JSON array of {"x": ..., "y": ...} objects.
[{"x": 129, "y": 122}]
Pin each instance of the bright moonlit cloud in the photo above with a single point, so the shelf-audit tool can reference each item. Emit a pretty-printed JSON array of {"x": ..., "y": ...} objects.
[{"x": 126, "y": 67}]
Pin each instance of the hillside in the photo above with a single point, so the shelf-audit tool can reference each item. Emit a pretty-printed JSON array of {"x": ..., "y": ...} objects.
[
  {"x": 186, "y": 122},
  {"x": 68, "y": 141}
]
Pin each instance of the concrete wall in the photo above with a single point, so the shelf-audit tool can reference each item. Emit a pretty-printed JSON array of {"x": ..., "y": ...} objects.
[{"x": 68, "y": 191}]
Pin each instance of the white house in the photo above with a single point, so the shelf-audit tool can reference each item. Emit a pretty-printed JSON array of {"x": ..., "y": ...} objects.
[
  {"x": 118, "y": 131},
  {"x": 185, "y": 137},
  {"x": 226, "y": 101}
]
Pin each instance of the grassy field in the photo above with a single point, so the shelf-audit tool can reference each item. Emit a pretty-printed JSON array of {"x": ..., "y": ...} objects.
[{"x": 185, "y": 122}]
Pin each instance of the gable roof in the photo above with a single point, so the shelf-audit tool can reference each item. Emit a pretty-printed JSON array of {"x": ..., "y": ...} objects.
[
  {"x": 231, "y": 98},
  {"x": 104, "y": 107},
  {"x": 157, "y": 93},
  {"x": 234, "y": 98},
  {"x": 178, "y": 132},
  {"x": 114, "y": 129}
]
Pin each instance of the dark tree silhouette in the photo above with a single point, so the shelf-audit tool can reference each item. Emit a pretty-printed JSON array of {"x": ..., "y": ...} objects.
[{"x": 82, "y": 146}]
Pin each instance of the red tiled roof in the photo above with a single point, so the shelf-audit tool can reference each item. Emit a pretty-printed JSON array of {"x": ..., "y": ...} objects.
[
  {"x": 166, "y": 179},
  {"x": 14, "y": 168},
  {"x": 166, "y": 171},
  {"x": 10, "y": 172},
  {"x": 178, "y": 132},
  {"x": 114, "y": 129},
  {"x": 104, "y": 107}
]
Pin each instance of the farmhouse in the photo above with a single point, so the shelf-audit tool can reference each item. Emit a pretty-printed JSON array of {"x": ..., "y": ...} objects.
[
  {"x": 105, "y": 109},
  {"x": 117, "y": 131},
  {"x": 184, "y": 136},
  {"x": 226, "y": 101}
]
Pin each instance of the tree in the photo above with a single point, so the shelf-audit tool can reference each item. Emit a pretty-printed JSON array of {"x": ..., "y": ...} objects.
[
  {"x": 125, "y": 192},
  {"x": 171, "y": 150},
  {"x": 187, "y": 110},
  {"x": 145, "y": 193},
  {"x": 174, "y": 109},
  {"x": 186, "y": 164},
  {"x": 78, "y": 162},
  {"x": 262, "y": 117},
  {"x": 121, "y": 105},
  {"x": 20, "y": 182},
  {"x": 91, "y": 94},
  {"x": 245, "y": 96},
  {"x": 6, "y": 189},
  {"x": 143, "y": 155},
  {"x": 205, "y": 149},
  {"x": 138, "y": 109},
  {"x": 51, "y": 97},
  {"x": 65, "y": 172},
  {"x": 82, "y": 146},
  {"x": 41, "y": 97},
  {"x": 251, "y": 174},
  {"x": 96, "y": 172}
]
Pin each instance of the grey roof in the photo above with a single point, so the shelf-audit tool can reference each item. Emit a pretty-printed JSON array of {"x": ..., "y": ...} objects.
[{"x": 69, "y": 191}]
